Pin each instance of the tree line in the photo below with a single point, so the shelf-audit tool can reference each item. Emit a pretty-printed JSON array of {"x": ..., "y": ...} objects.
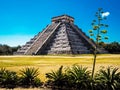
[
  {"x": 113, "y": 48},
  {"x": 7, "y": 50}
]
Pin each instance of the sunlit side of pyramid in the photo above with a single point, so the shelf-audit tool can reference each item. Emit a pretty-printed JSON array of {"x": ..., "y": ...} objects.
[{"x": 60, "y": 37}]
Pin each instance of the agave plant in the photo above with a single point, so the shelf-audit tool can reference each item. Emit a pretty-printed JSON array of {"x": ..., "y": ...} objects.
[
  {"x": 29, "y": 77},
  {"x": 56, "y": 78},
  {"x": 8, "y": 79},
  {"x": 78, "y": 77},
  {"x": 108, "y": 79},
  {"x": 2, "y": 71}
]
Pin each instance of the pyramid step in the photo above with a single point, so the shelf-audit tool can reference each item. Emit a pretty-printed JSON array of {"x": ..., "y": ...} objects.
[
  {"x": 61, "y": 37},
  {"x": 41, "y": 39}
]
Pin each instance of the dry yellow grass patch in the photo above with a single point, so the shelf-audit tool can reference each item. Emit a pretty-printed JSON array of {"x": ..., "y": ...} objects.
[{"x": 48, "y": 63}]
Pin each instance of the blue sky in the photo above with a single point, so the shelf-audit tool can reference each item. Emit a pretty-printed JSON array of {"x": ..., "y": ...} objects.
[{"x": 20, "y": 20}]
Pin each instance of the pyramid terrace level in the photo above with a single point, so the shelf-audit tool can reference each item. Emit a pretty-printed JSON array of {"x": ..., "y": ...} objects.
[
  {"x": 63, "y": 18},
  {"x": 62, "y": 36}
]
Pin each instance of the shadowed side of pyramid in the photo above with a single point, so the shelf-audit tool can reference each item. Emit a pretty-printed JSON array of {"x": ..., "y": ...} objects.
[{"x": 60, "y": 37}]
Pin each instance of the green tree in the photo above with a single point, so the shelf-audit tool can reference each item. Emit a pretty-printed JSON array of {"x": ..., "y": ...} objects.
[
  {"x": 7, "y": 50},
  {"x": 98, "y": 33},
  {"x": 14, "y": 49},
  {"x": 113, "y": 47}
]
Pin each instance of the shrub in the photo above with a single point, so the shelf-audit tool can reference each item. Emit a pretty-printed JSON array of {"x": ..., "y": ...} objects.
[
  {"x": 8, "y": 79},
  {"x": 78, "y": 77},
  {"x": 74, "y": 78},
  {"x": 29, "y": 77},
  {"x": 56, "y": 79},
  {"x": 108, "y": 79}
]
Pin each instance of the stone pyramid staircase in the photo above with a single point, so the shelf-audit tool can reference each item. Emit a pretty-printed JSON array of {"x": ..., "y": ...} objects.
[{"x": 60, "y": 37}]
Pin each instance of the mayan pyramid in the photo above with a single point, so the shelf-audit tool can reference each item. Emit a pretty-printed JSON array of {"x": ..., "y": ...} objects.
[{"x": 62, "y": 36}]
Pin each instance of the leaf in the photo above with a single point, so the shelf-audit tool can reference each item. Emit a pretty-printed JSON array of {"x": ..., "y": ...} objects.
[
  {"x": 94, "y": 20},
  {"x": 90, "y": 31},
  {"x": 106, "y": 25},
  {"x": 95, "y": 27},
  {"x": 101, "y": 24},
  {"x": 98, "y": 36},
  {"x": 99, "y": 18},
  {"x": 106, "y": 38},
  {"x": 102, "y": 12},
  {"x": 92, "y": 39},
  {"x": 104, "y": 31},
  {"x": 99, "y": 39},
  {"x": 92, "y": 23},
  {"x": 91, "y": 34}
]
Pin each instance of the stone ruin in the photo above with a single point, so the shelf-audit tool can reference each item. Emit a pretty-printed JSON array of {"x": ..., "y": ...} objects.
[{"x": 62, "y": 36}]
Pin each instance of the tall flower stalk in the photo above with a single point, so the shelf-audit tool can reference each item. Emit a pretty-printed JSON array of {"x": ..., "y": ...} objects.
[{"x": 98, "y": 33}]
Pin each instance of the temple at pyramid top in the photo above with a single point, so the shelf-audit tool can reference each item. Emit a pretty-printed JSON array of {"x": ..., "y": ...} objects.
[
  {"x": 62, "y": 36},
  {"x": 63, "y": 18}
]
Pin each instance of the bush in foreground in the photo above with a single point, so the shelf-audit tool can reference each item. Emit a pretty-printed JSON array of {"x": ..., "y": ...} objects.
[
  {"x": 108, "y": 79},
  {"x": 8, "y": 79},
  {"x": 76, "y": 77},
  {"x": 56, "y": 79},
  {"x": 79, "y": 78},
  {"x": 71, "y": 78},
  {"x": 29, "y": 77}
]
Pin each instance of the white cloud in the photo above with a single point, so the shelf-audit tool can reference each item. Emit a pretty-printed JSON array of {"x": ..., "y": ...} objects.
[{"x": 105, "y": 14}]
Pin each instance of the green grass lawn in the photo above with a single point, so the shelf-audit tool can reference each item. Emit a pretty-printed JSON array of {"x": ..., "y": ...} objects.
[{"x": 48, "y": 63}]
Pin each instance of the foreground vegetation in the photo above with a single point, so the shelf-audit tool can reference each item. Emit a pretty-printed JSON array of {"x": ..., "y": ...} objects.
[
  {"x": 35, "y": 71},
  {"x": 47, "y": 63},
  {"x": 71, "y": 78}
]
